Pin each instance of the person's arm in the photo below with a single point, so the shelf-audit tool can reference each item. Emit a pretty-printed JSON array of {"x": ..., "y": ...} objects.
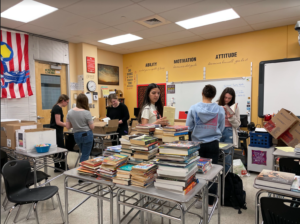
[
  {"x": 58, "y": 121},
  {"x": 89, "y": 120},
  {"x": 235, "y": 120},
  {"x": 222, "y": 120},
  {"x": 125, "y": 115},
  {"x": 190, "y": 120},
  {"x": 68, "y": 123}
]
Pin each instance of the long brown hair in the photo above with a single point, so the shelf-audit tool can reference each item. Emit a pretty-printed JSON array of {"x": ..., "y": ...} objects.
[
  {"x": 230, "y": 91},
  {"x": 62, "y": 97},
  {"x": 82, "y": 102}
]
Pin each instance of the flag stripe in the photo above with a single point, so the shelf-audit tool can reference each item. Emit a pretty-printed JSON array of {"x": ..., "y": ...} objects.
[
  {"x": 22, "y": 94},
  {"x": 12, "y": 90},
  {"x": 18, "y": 40},
  {"x": 27, "y": 65},
  {"x": 11, "y": 62}
]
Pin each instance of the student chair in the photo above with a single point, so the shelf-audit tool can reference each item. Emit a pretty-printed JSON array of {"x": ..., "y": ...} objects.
[
  {"x": 274, "y": 210},
  {"x": 289, "y": 165},
  {"x": 16, "y": 175}
]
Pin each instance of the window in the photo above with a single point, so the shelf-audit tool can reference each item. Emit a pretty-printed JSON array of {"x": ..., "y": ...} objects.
[{"x": 51, "y": 90}]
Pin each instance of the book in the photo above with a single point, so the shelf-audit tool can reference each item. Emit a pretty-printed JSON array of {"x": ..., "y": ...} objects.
[
  {"x": 169, "y": 113},
  {"x": 193, "y": 170},
  {"x": 275, "y": 179},
  {"x": 144, "y": 167},
  {"x": 175, "y": 181},
  {"x": 93, "y": 162},
  {"x": 174, "y": 138},
  {"x": 228, "y": 110},
  {"x": 178, "y": 158},
  {"x": 117, "y": 180},
  {"x": 143, "y": 140},
  {"x": 171, "y": 133},
  {"x": 203, "y": 162},
  {"x": 145, "y": 126},
  {"x": 178, "y": 169},
  {"x": 177, "y": 151},
  {"x": 146, "y": 147},
  {"x": 176, "y": 164},
  {"x": 296, "y": 184},
  {"x": 182, "y": 144},
  {"x": 175, "y": 128},
  {"x": 128, "y": 137},
  {"x": 183, "y": 192},
  {"x": 116, "y": 159}
]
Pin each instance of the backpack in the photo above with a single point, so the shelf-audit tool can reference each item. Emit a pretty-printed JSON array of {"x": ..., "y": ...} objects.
[{"x": 235, "y": 196}]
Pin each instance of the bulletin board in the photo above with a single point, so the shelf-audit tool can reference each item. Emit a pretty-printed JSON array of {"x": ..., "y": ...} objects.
[{"x": 141, "y": 91}]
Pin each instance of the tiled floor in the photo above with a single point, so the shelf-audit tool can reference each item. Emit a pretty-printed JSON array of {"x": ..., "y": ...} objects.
[{"x": 87, "y": 213}]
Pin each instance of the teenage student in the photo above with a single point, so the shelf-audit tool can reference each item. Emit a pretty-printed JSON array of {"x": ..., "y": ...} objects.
[
  {"x": 206, "y": 121},
  {"x": 57, "y": 123},
  {"x": 80, "y": 119},
  {"x": 232, "y": 122},
  {"x": 118, "y": 111},
  {"x": 152, "y": 109}
]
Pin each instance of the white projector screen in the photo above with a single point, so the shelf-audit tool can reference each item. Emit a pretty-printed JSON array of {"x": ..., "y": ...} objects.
[{"x": 279, "y": 84}]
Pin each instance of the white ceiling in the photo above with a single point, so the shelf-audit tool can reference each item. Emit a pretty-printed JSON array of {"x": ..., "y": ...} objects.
[{"x": 88, "y": 21}]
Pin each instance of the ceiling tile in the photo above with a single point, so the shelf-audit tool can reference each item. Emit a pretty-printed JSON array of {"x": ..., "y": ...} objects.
[
  {"x": 75, "y": 40},
  {"x": 108, "y": 47},
  {"x": 183, "y": 41},
  {"x": 160, "y": 30},
  {"x": 123, "y": 15},
  {"x": 236, "y": 3},
  {"x": 137, "y": 0},
  {"x": 57, "y": 20},
  {"x": 6, "y": 4},
  {"x": 233, "y": 31},
  {"x": 58, "y": 3},
  {"x": 137, "y": 43},
  {"x": 57, "y": 35},
  {"x": 147, "y": 47},
  {"x": 33, "y": 29},
  {"x": 123, "y": 51},
  {"x": 265, "y": 6},
  {"x": 131, "y": 27},
  {"x": 275, "y": 15},
  {"x": 83, "y": 27},
  {"x": 103, "y": 34},
  {"x": 275, "y": 23},
  {"x": 91, "y": 8},
  {"x": 172, "y": 36},
  {"x": 219, "y": 26},
  {"x": 10, "y": 23},
  {"x": 194, "y": 10},
  {"x": 159, "y": 6}
]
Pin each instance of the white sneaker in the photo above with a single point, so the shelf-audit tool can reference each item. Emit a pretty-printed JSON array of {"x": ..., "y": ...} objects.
[
  {"x": 198, "y": 204},
  {"x": 211, "y": 208}
]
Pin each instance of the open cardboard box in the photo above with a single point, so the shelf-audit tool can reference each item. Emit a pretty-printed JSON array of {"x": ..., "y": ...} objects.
[
  {"x": 292, "y": 136},
  {"x": 3, "y": 131},
  {"x": 104, "y": 128}
]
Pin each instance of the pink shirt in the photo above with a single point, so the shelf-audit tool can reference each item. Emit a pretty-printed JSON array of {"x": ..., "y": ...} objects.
[{"x": 227, "y": 122}]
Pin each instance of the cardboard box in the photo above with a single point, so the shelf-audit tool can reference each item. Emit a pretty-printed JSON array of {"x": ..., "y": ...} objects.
[
  {"x": 26, "y": 139},
  {"x": 103, "y": 128},
  {"x": 282, "y": 121},
  {"x": 11, "y": 132},
  {"x": 292, "y": 136},
  {"x": 3, "y": 131}
]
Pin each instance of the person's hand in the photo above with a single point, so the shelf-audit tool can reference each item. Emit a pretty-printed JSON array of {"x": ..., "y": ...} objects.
[
  {"x": 120, "y": 122},
  {"x": 162, "y": 121},
  {"x": 229, "y": 115}
]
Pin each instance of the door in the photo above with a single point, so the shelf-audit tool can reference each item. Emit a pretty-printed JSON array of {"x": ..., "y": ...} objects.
[{"x": 50, "y": 84}]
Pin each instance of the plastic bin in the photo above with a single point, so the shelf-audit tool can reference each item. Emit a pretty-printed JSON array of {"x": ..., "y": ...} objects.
[
  {"x": 263, "y": 140},
  {"x": 43, "y": 149}
]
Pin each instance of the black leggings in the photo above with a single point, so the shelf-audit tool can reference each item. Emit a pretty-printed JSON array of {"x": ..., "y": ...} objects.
[
  {"x": 60, "y": 143},
  {"x": 210, "y": 150}
]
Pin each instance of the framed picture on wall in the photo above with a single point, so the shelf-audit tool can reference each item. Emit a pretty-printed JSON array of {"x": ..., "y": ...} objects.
[{"x": 108, "y": 75}]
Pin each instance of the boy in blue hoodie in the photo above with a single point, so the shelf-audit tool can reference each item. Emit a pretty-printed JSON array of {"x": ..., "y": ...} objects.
[{"x": 206, "y": 121}]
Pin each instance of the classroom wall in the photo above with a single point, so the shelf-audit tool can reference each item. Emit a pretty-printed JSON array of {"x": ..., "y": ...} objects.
[{"x": 269, "y": 44}]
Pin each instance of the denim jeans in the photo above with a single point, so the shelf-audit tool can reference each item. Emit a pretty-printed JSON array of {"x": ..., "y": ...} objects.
[
  {"x": 85, "y": 142},
  {"x": 227, "y": 138}
]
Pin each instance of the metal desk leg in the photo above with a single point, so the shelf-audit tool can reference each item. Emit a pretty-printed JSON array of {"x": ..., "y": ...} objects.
[
  {"x": 101, "y": 205},
  {"x": 182, "y": 213},
  {"x": 119, "y": 206},
  {"x": 141, "y": 213},
  {"x": 34, "y": 173},
  {"x": 98, "y": 205},
  {"x": 66, "y": 202},
  {"x": 205, "y": 203},
  {"x": 257, "y": 206},
  {"x": 111, "y": 205},
  {"x": 66, "y": 161},
  {"x": 219, "y": 197},
  {"x": 224, "y": 175}
]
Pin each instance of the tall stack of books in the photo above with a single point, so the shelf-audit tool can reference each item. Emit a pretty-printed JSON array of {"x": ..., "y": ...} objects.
[
  {"x": 123, "y": 175},
  {"x": 297, "y": 149},
  {"x": 111, "y": 150},
  {"x": 143, "y": 175},
  {"x": 126, "y": 146},
  {"x": 110, "y": 165},
  {"x": 177, "y": 166},
  {"x": 204, "y": 165},
  {"x": 145, "y": 147},
  {"x": 147, "y": 129},
  {"x": 158, "y": 133},
  {"x": 175, "y": 133},
  {"x": 90, "y": 167}
]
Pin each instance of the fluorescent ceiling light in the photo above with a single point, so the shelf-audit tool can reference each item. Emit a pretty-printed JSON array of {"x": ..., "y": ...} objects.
[
  {"x": 27, "y": 11},
  {"x": 211, "y": 18},
  {"x": 120, "y": 39}
]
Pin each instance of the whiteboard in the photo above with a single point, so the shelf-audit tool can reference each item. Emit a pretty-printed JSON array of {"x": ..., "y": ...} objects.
[
  {"x": 281, "y": 87},
  {"x": 189, "y": 93}
]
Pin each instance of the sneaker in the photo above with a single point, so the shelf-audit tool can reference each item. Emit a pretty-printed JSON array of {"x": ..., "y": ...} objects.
[
  {"x": 210, "y": 209},
  {"x": 198, "y": 204}
]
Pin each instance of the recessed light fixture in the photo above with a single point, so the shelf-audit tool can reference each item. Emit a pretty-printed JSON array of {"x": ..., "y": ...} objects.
[
  {"x": 120, "y": 39},
  {"x": 211, "y": 18},
  {"x": 27, "y": 11}
]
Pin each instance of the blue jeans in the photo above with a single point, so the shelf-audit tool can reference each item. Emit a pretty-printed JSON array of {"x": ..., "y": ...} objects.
[
  {"x": 85, "y": 142},
  {"x": 227, "y": 138}
]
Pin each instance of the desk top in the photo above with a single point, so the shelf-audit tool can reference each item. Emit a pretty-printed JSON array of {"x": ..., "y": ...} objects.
[
  {"x": 279, "y": 152},
  {"x": 211, "y": 174},
  {"x": 228, "y": 145},
  {"x": 96, "y": 135},
  {"x": 165, "y": 195},
  {"x": 278, "y": 191},
  {"x": 36, "y": 154}
]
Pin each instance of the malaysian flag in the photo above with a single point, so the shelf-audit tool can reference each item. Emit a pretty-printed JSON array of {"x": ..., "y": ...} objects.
[{"x": 15, "y": 82}]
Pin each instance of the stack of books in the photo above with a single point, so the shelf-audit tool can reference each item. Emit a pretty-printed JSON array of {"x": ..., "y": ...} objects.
[
  {"x": 143, "y": 175},
  {"x": 158, "y": 133},
  {"x": 123, "y": 175},
  {"x": 297, "y": 149},
  {"x": 90, "y": 167},
  {"x": 126, "y": 145},
  {"x": 204, "y": 165},
  {"x": 145, "y": 147},
  {"x": 275, "y": 179},
  {"x": 177, "y": 166},
  {"x": 111, "y": 150},
  {"x": 175, "y": 133},
  {"x": 147, "y": 129},
  {"x": 110, "y": 165}
]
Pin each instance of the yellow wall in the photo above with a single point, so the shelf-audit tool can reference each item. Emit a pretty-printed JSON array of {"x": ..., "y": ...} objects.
[{"x": 270, "y": 44}]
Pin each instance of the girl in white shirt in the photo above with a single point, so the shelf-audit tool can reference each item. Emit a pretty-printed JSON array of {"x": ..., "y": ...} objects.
[{"x": 152, "y": 109}]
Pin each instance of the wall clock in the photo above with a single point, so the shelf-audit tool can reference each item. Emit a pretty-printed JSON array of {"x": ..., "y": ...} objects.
[{"x": 91, "y": 86}]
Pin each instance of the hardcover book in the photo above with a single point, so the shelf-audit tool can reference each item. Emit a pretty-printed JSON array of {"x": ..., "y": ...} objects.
[
  {"x": 175, "y": 128},
  {"x": 143, "y": 140}
]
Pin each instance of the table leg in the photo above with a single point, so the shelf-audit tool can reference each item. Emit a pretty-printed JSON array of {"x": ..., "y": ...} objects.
[
  {"x": 119, "y": 206},
  {"x": 141, "y": 213},
  {"x": 219, "y": 197},
  {"x": 66, "y": 202},
  {"x": 182, "y": 213},
  {"x": 101, "y": 205},
  {"x": 111, "y": 205},
  {"x": 66, "y": 161},
  {"x": 98, "y": 205},
  {"x": 45, "y": 166},
  {"x": 224, "y": 175},
  {"x": 204, "y": 203},
  {"x": 34, "y": 173},
  {"x": 257, "y": 206}
]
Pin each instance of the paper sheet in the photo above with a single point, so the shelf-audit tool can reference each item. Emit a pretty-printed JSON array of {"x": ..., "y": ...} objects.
[
  {"x": 286, "y": 149},
  {"x": 169, "y": 113},
  {"x": 222, "y": 145}
]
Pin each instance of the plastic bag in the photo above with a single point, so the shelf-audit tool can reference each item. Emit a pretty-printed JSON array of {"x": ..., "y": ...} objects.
[{"x": 239, "y": 168}]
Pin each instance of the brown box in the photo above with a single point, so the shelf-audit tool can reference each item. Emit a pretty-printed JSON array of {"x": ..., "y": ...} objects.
[
  {"x": 3, "y": 131},
  {"x": 292, "y": 136},
  {"x": 11, "y": 132},
  {"x": 103, "y": 128},
  {"x": 282, "y": 121}
]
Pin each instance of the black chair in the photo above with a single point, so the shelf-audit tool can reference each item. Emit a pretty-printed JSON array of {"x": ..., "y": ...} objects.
[
  {"x": 289, "y": 165},
  {"x": 274, "y": 210},
  {"x": 16, "y": 174}
]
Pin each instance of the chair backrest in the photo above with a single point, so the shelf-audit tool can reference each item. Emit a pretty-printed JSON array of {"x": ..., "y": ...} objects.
[
  {"x": 275, "y": 211},
  {"x": 15, "y": 174},
  {"x": 70, "y": 141},
  {"x": 289, "y": 165}
]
